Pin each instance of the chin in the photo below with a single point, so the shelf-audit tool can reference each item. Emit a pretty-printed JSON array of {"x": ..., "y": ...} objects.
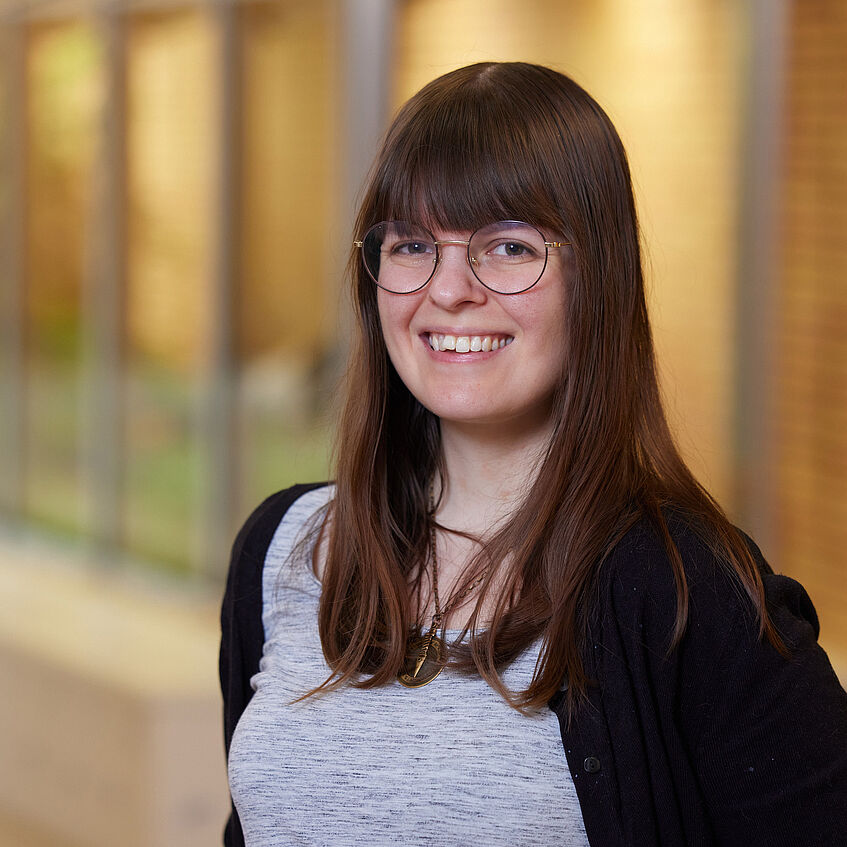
[
  {"x": 506, "y": 418},
  {"x": 462, "y": 410}
]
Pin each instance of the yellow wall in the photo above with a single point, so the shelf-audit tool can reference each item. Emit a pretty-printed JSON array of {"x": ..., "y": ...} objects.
[
  {"x": 288, "y": 139},
  {"x": 171, "y": 168},
  {"x": 284, "y": 191}
]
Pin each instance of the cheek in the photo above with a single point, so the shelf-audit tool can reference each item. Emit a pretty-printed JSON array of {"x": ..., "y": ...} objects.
[
  {"x": 395, "y": 315},
  {"x": 387, "y": 323},
  {"x": 546, "y": 329}
]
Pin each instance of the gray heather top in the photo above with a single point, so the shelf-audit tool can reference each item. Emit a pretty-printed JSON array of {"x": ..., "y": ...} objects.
[{"x": 450, "y": 763}]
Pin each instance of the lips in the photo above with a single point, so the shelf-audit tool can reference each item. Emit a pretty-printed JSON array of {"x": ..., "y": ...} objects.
[{"x": 467, "y": 343}]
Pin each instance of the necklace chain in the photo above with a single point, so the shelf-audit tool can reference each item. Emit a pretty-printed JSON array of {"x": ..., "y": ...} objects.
[
  {"x": 419, "y": 647},
  {"x": 439, "y": 616},
  {"x": 436, "y": 619}
]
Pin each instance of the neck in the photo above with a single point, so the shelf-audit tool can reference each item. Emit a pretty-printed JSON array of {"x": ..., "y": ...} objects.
[{"x": 488, "y": 473}]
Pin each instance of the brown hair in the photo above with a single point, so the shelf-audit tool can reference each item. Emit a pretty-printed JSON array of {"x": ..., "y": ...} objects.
[{"x": 489, "y": 142}]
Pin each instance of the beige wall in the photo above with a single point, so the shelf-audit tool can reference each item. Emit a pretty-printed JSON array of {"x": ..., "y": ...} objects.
[{"x": 110, "y": 712}]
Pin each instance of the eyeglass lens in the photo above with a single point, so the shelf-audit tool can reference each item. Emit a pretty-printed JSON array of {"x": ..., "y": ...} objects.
[{"x": 508, "y": 256}]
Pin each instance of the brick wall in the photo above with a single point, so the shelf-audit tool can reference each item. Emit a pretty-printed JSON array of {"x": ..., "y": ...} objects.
[{"x": 812, "y": 372}]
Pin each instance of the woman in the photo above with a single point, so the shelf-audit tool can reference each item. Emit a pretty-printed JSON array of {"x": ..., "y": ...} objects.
[{"x": 515, "y": 618}]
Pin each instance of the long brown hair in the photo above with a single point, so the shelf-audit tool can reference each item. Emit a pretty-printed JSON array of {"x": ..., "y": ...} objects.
[{"x": 488, "y": 142}]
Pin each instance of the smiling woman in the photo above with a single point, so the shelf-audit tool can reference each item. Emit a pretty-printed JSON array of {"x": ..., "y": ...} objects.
[{"x": 515, "y": 596}]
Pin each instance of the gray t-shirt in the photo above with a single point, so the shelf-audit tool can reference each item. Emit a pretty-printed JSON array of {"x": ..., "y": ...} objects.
[{"x": 450, "y": 763}]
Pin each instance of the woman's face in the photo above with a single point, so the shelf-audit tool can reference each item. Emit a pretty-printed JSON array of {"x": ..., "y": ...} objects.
[{"x": 473, "y": 356}]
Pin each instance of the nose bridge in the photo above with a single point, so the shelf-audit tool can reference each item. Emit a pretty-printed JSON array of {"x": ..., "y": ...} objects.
[
  {"x": 442, "y": 253},
  {"x": 453, "y": 280}
]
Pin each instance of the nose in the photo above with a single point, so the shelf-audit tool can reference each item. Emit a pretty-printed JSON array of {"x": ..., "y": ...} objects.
[{"x": 453, "y": 282}]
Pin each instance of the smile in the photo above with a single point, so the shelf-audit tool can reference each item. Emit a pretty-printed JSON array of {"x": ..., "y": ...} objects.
[{"x": 468, "y": 343}]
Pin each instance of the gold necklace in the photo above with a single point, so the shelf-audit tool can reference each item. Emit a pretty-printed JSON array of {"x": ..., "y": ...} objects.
[{"x": 426, "y": 654}]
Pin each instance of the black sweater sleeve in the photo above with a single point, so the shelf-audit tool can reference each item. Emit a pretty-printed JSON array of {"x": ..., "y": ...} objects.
[
  {"x": 242, "y": 634},
  {"x": 772, "y": 752},
  {"x": 720, "y": 741}
]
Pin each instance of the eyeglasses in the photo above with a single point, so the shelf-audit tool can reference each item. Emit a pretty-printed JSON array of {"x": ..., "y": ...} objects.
[{"x": 507, "y": 257}]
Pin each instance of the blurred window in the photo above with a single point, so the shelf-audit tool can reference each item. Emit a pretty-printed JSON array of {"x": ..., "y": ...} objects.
[
  {"x": 171, "y": 169},
  {"x": 223, "y": 150},
  {"x": 63, "y": 89},
  {"x": 290, "y": 274}
]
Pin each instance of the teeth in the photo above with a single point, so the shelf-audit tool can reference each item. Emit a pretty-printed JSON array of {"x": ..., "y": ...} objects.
[{"x": 468, "y": 343}]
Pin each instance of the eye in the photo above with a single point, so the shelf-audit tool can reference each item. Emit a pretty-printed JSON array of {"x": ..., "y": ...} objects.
[
  {"x": 411, "y": 248},
  {"x": 511, "y": 249},
  {"x": 514, "y": 248}
]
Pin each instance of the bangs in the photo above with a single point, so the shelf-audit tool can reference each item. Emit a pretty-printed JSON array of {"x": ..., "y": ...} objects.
[{"x": 467, "y": 162}]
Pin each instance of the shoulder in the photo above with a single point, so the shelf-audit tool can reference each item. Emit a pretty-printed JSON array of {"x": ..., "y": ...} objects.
[
  {"x": 637, "y": 583},
  {"x": 637, "y": 576},
  {"x": 255, "y": 536},
  {"x": 297, "y": 532},
  {"x": 721, "y": 654},
  {"x": 242, "y": 634},
  {"x": 721, "y": 666}
]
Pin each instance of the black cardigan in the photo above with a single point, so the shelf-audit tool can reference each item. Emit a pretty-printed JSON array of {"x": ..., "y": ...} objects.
[{"x": 721, "y": 741}]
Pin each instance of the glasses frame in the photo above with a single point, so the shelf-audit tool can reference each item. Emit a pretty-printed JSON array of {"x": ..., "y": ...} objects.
[{"x": 548, "y": 245}]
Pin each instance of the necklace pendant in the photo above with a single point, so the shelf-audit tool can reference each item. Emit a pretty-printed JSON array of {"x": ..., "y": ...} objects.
[{"x": 424, "y": 661}]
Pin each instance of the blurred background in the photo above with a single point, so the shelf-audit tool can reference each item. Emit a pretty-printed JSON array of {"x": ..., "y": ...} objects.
[{"x": 177, "y": 183}]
